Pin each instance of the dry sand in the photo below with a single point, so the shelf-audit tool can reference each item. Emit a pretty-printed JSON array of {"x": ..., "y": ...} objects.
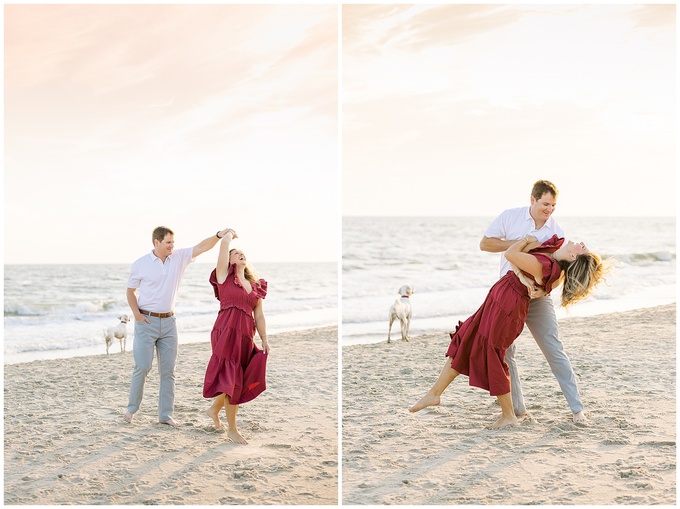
[
  {"x": 625, "y": 454},
  {"x": 65, "y": 442}
]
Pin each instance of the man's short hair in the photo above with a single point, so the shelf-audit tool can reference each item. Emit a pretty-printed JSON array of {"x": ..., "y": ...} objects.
[
  {"x": 543, "y": 186},
  {"x": 160, "y": 232}
]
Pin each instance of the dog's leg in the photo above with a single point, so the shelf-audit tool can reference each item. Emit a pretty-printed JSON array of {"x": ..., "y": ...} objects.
[
  {"x": 402, "y": 323},
  {"x": 389, "y": 340}
]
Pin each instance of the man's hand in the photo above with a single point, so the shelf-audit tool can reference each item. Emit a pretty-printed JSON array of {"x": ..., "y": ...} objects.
[
  {"x": 141, "y": 318},
  {"x": 223, "y": 233}
]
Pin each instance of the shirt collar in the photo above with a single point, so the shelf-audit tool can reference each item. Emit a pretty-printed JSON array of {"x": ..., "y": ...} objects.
[{"x": 153, "y": 256}]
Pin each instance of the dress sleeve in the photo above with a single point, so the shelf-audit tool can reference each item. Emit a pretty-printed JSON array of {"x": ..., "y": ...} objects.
[
  {"x": 261, "y": 289},
  {"x": 215, "y": 285},
  {"x": 551, "y": 271},
  {"x": 549, "y": 246}
]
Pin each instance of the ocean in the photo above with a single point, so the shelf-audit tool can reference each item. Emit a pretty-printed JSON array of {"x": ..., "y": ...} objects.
[
  {"x": 441, "y": 259},
  {"x": 57, "y": 311}
]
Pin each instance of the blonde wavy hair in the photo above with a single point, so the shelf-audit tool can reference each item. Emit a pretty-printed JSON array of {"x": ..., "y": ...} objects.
[
  {"x": 250, "y": 273},
  {"x": 581, "y": 276}
]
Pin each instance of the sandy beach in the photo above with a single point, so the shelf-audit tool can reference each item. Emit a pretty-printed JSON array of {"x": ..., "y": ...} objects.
[
  {"x": 625, "y": 454},
  {"x": 66, "y": 443}
]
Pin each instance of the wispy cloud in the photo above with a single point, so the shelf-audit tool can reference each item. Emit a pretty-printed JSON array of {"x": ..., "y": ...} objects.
[
  {"x": 206, "y": 94},
  {"x": 472, "y": 88}
]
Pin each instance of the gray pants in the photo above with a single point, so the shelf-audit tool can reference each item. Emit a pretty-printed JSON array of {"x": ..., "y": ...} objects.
[
  {"x": 542, "y": 323},
  {"x": 160, "y": 334}
]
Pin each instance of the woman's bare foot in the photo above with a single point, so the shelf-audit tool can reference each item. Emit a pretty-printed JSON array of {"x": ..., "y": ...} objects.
[
  {"x": 519, "y": 416},
  {"x": 580, "y": 416},
  {"x": 504, "y": 421},
  {"x": 236, "y": 436},
  {"x": 128, "y": 417},
  {"x": 215, "y": 416},
  {"x": 425, "y": 401}
]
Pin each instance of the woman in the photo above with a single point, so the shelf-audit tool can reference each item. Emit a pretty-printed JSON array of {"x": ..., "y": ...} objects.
[
  {"x": 236, "y": 371},
  {"x": 478, "y": 345}
]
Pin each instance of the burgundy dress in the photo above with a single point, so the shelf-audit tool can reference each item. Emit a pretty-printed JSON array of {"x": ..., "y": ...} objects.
[
  {"x": 478, "y": 345},
  {"x": 237, "y": 367}
]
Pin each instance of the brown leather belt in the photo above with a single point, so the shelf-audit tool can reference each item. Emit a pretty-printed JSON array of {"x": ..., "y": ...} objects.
[{"x": 157, "y": 315}]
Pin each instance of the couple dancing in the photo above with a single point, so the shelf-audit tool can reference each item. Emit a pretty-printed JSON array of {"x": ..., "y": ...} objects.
[
  {"x": 482, "y": 347},
  {"x": 236, "y": 370}
]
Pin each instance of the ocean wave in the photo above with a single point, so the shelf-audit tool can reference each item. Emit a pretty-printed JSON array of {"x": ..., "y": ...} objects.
[
  {"x": 19, "y": 310},
  {"x": 643, "y": 258},
  {"x": 22, "y": 310}
]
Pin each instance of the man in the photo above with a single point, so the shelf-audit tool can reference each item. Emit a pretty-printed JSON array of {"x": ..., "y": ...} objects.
[
  {"x": 508, "y": 227},
  {"x": 157, "y": 276}
]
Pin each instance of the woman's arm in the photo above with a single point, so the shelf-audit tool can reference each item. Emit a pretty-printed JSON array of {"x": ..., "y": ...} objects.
[
  {"x": 223, "y": 258},
  {"x": 261, "y": 325},
  {"x": 525, "y": 261},
  {"x": 534, "y": 291}
]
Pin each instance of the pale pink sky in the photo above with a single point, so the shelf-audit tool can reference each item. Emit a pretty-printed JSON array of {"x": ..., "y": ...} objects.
[
  {"x": 119, "y": 118},
  {"x": 457, "y": 109}
]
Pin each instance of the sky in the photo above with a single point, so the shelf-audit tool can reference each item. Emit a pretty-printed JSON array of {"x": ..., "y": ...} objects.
[
  {"x": 121, "y": 118},
  {"x": 456, "y": 110}
]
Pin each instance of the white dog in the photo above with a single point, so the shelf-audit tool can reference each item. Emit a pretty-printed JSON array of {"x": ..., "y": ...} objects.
[
  {"x": 118, "y": 332},
  {"x": 401, "y": 309}
]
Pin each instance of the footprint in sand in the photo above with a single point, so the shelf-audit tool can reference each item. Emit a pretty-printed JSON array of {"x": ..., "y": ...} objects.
[{"x": 279, "y": 446}]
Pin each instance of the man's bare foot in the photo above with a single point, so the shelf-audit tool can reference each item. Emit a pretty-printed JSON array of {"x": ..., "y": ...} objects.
[
  {"x": 504, "y": 421},
  {"x": 170, "y": 422},
  {"x": 128, "y": 417},
  {"x": 236, "y": 436},
  {"x": 580, "y": 416},
  {"x": 215, "y": 416},
  {"x": 425, "y": 402}
]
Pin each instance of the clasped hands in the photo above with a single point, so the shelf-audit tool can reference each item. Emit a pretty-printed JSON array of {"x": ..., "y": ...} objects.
[
  {"x": 227, "y": 231},
  {"x": 534, "y": 291}
]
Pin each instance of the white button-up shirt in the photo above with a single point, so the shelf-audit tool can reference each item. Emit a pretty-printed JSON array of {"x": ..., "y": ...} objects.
[
  {"x": 513, "y": 224},
  {"x": 158, "y": 282}
]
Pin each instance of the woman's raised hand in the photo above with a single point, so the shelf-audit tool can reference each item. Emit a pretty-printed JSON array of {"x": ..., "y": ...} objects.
[{"x": 228, "y": 231}]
